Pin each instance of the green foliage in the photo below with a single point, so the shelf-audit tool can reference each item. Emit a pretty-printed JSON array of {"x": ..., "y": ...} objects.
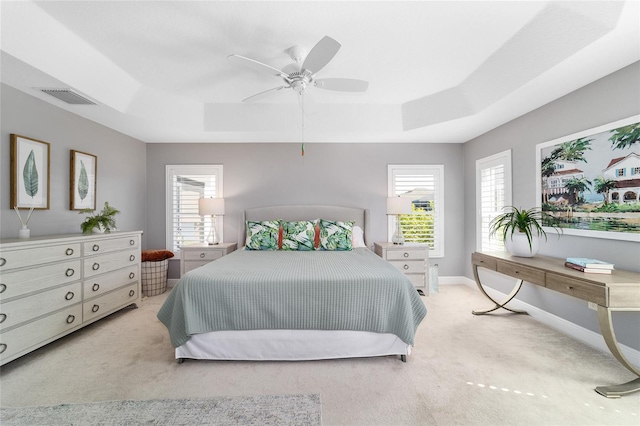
[
  {"x": 83, "y": 182},
  {"x": 105, "y": 219},
  {"x": 625, "y": 136},
  {"x": 30, "y": 175},
  {"x": 618, "y": 208},
  {"x": 418, "y": 227},
  {"x": 520, "y": 220}
]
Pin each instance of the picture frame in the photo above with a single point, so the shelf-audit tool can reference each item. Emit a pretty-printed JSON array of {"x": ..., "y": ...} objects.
[
  {"x": 30, "y": 175},
  {"x": 588, "y": 183},
  {"x": 83, "y": 181}
]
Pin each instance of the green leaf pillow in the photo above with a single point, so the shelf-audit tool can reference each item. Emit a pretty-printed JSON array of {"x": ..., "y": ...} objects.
[
  {"x": 262, "y": 235},
  {"x": 336, "y": 235},
  {"x": 298, "y": 235}
]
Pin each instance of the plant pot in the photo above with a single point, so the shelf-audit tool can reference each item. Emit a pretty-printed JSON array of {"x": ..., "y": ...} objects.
[{"x": 518, "y": 245}]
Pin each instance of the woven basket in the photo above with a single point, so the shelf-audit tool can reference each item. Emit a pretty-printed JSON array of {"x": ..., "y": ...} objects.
[{"x": 154, "y": 277}]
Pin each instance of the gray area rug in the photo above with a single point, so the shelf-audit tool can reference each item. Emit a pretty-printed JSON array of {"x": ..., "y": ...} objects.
[{"x": 239, "y": 410}]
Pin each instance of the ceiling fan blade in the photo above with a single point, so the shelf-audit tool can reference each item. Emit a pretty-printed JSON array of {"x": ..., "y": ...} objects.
[
  {"x": 258, "y": 66},
  {"x": 264, "y": 94},
  {"x": 321, "y": 54},
  {"x": 342, "y": 84}
]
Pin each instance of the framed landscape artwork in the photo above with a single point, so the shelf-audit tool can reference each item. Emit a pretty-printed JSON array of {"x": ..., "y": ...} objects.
[
  {"x": 29, "y": 173},
  {"x": 589, "y": 182},
  {"x": 83, "y": 175}
]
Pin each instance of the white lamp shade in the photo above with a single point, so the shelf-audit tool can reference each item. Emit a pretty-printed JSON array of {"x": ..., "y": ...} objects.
[
  {"x": 211, "y": 206},
  {"x": 398, "y": 205}
]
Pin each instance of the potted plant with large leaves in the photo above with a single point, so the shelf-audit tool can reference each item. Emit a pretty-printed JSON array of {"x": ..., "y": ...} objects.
[
  {"x": 521, "y": 230},
  {"x": 103, "y": 221}
]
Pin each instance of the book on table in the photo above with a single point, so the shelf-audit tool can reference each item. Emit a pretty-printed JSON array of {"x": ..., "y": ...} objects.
[
  {"x": 589, "y": 263},
  {"x": 587, "y": 270}
]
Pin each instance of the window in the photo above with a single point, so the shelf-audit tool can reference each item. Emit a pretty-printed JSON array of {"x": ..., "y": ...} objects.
[
  {"x": 424, "y": 184},
  {"x": 493, "y": 193},
  {"x": 185, "y": 185},
  {"x": 620, "y": 172},
  {"x": 635, "y": 170}
]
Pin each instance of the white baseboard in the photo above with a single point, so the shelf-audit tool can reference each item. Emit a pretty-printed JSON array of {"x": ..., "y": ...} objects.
[{"x": 582, "y": 334}]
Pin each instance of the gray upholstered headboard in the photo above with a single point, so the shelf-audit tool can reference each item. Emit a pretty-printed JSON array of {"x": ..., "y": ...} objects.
[{"x": 305, "y": 212}]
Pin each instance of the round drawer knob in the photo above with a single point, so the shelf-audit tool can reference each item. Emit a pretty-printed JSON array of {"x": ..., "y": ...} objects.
[
  {"x": 406, "y": 267},
  {"x": 131, "y": 293},
  {"x": 202, "y": 255},
  {"x": 3, "y": 262},
  {"x": 70, "y": 319},
  {"x": 3, "y": 318},
  {"x": 95, "y": 266},
  {"x": 95, "y": 247},
  {"x": 406, "y": 254},
  {"x": 69, "y": 272},
  {"x": 95, "y": 308},
  {"x": 132, "y": 242},
  {"x": 3, "y": 347},
  {"x": 95, "y": 287},
  {"x": 69, "y": 295},
  {"x": 132, "y": 258},
  {"x": 131, "y": 275},
  {"x": 3, "y": 287},
  {"x": 69, "y": 252}
]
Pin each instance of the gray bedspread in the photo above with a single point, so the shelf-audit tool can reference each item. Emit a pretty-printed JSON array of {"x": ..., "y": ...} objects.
[{"x": 326, "y": 290}]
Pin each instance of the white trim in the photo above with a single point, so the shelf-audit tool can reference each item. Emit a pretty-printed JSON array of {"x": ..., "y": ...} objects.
[{"x": 591, "y": 338}]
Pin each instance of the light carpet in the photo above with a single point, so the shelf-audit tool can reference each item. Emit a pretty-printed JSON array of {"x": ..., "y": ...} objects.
[{"x": 238, "y": 410}]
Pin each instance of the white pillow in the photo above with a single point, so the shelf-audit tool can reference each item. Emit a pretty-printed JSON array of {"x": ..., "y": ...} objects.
[{"x": 357, "y": 237}]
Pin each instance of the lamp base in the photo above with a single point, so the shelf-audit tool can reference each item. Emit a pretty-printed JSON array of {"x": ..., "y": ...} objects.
[
  {"x": 398, "y": 236},
  {"x": 213, "y": 238}
]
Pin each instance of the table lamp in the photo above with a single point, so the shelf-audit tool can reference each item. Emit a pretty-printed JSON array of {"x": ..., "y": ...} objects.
[
  {"x": 397, "y": 206},
  {"x": 213, "y": 207}
]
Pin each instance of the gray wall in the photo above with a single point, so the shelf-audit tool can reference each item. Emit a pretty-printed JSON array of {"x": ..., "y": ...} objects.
[
  {"x": 260, "y": 174},
  {"x": 121, "y": 165},
  {"x": 612, "y": 98}
]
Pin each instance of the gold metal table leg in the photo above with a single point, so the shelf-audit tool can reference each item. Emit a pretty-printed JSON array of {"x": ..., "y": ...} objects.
[
  {"x": 606, "y": 326},
  {"x": 498, "y": 305}
]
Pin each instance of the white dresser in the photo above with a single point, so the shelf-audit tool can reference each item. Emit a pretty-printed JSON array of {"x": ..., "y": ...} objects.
[
  {"x": 412, "y": 259},
  {"x": 193, "y": 256},
  {"x": 51, "y": 286}
]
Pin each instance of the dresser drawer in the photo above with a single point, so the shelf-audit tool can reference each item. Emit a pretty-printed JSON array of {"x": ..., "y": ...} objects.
[
  {"x": 484, "y": 261},
  {"x": 109, "y": 302},
  {"x": 26, "y": 308},
  {"x": 410, "y": 266},
  {"x": 110, "y": 281},
  {"x": 18, "y": 283},
  {"x": 534, "y": 276},
  {"x": 407, "y": 254},
  {"x": 13, "y": 259},
  {"x": 96, "y": 265},
  {"x": 30, "y": 335},
  {"x": 576, "y": 288},
  {"x": 188, "y": 266},
  {"x": 204, "y": 255},
  {"x": 108, "y": 245}
]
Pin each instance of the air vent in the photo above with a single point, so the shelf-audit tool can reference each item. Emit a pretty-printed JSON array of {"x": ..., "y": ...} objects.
[{"x": 68, "y": 96}]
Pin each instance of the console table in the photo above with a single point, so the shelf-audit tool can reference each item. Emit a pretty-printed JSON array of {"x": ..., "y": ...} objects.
[{"x": 619, "y": 291}]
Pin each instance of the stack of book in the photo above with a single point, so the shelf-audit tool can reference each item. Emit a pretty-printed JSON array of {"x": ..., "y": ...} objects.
[{"x": 592, "y": 266}]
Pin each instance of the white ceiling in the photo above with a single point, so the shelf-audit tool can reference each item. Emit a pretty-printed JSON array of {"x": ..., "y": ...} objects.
[{"x": 439, "y": 71}]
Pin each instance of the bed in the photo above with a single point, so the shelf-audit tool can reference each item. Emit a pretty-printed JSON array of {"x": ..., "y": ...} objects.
[{"x": 296, "y": 304}]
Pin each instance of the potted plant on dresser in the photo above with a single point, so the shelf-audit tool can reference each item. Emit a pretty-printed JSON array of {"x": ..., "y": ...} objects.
[
  {"x": 103, "y": 221},
  {"x": 520, "y": 230}
]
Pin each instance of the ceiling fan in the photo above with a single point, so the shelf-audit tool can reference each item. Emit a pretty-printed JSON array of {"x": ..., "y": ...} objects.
[{"x": 299, "y": 76}]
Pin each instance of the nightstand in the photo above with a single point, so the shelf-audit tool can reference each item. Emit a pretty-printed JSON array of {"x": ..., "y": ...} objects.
[
  {"x": 195, "y": 255},
  {"x": 410, "y": 258}
]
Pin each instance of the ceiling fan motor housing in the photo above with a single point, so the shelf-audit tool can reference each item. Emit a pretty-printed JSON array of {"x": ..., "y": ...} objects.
[{"x": 300, "y": 80}]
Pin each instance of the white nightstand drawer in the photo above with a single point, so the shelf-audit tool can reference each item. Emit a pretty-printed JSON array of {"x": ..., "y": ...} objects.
[
  {"x": 406, "y": 254},
  {"x": 409, "y": 266},
  {"x": 204, "y": 255},
  {"x": 418, "y": 280}
]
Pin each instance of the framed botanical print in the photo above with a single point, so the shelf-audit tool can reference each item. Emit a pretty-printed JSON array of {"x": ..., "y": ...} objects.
[
  {"x": 83, "y": 176},
  {"x": 30, "y": 159}
]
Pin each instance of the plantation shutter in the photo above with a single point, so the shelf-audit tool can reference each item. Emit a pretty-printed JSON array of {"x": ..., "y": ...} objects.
[
  {"x": 424, "y": 185},
  {"x": 185, "y": 185},
  {"x": 493, "y": 190}
]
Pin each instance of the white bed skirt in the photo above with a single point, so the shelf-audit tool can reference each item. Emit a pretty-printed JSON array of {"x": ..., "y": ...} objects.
[{"x": 290, "y": 345}]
